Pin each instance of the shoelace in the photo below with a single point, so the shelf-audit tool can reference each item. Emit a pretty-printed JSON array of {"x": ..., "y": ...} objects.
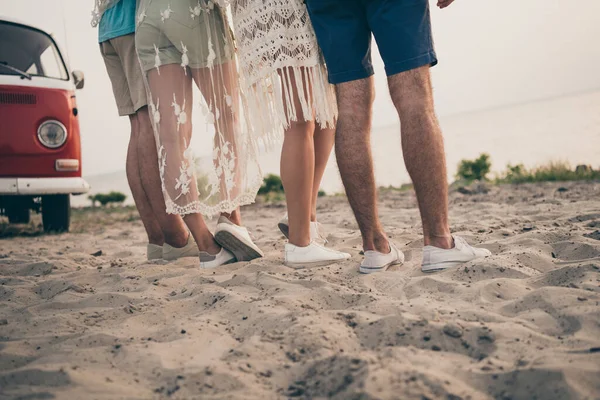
[
  {"x": 464, "y": 244},
  {"x": 325, "y": 241}
]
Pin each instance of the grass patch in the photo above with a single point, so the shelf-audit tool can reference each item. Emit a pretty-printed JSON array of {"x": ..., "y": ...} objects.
[
  {"x": 552, "y": 172},
  {"x": 556, "y": 171},
  {"x": 402, "y": 188}
]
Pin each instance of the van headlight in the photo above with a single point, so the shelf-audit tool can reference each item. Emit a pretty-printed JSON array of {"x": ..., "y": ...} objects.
[{"x": 52, "y": 134}]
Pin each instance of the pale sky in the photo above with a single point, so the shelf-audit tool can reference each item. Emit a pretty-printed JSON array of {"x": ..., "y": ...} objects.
[{"x": 491, "y": 53}]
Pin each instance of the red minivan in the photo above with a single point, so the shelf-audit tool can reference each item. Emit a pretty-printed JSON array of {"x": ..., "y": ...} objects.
[{"x": 40, "y": 150}]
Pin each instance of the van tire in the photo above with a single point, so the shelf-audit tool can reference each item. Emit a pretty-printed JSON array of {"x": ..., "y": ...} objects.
[
  {"x": 56, "y": 212},
  {"x": 17, "y": 214}
]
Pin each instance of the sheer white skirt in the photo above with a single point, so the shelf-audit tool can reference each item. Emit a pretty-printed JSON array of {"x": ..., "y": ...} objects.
[{"x": 182, "y": 44}]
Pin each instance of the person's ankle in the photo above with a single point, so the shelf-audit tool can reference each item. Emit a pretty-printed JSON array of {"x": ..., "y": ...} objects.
[
  {"x": 299, "y": 242},
  {"x": 156, "y": 241},
  {"x": 378, "y": 243},
  {"x": 209, "y": 245},
  {"x": 235, "y": 217},
  {"x": 178, "y": 240},
  {"x": 442, "y": 242}
]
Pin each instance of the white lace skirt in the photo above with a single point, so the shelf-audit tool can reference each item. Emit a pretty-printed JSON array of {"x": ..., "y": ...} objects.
[
  {"x": 283, "y": 72},
  {"x": 186, "y": 51}
]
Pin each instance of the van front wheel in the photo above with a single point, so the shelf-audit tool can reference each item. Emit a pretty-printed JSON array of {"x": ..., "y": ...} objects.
[
  {"x": 17, "y": 213},
  {"x": 56, "y": 212}
]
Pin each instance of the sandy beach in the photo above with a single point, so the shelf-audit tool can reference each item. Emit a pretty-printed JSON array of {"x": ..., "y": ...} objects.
[{"x": 84, "y": 316}]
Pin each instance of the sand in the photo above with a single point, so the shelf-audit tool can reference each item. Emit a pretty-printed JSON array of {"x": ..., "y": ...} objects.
[{"x": 84, "y": 316}]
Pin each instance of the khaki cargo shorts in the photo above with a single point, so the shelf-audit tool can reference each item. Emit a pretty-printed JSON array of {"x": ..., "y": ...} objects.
[
  {"x": 178, "y": 32},
  {"x": 125, "y": 73}
]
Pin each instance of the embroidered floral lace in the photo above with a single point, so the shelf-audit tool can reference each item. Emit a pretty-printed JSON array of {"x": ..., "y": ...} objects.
[{"x": 184, "y": 44}]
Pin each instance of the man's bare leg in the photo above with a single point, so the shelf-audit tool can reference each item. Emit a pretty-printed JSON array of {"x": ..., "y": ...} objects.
[
  {"x": 323, "y": 139},
  {"x": 174, "y": 230},
  {"x": 353, "y": 152},
  {"x": 153, "y": 230},
  {"x": 423, "y": 149}
]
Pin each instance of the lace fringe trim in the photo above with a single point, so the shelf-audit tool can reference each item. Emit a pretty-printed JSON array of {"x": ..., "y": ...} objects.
[
  {"x": 225, "y": 206},
  {"x": 270, "y": 101}
]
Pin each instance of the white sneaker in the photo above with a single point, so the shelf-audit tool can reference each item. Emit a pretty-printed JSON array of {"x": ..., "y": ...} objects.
[
  {"x": 436, "y": 259},
  {"x": 173, "y": 253},
  {"x": 313, "y": 255},
  {"x": 315, "y": 230},
  {"x": 237, "y": 240},
  {"x": 154, "y": 252},
  {"x": 375, "y": 261},
  {"x": 210, "y": 261}
]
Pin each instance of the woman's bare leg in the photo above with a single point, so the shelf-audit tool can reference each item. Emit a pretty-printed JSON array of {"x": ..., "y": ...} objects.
[
  {"x": 219, "y": 86},
  {"x": 171, "y": 93},
  {"x": 297, "y": 165},
  {"x": 297, "y": 174},
  {"x": 324, "y": 140}
]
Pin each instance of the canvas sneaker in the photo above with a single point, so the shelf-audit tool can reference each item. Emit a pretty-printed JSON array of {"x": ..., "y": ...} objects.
[
  {"x": 313, "y": 255},
  {"x": 171, "y": 253},
  {"x": 237, "y": 240},
  {"x": 436, "y": 259},
  {"x": 375, "y": 261},
  {"x": 209, "y": 261},
  {"x": 315, "y": 230},
  {"x": 154, "y": 252}
]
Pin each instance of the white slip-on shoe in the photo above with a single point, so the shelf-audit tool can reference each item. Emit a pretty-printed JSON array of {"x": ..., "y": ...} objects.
[
  {"x": 313, "y": 255},
  {"x": 173, "y": 253},
  {"x": 209, "y": 261},
  {"x": 315, "y": 230},
  {"x": 154, "y": 252},
  {"x": 375, "y": 261},
  {"x": 237, "y": 240},
  {"x": 437, "y": 259}
]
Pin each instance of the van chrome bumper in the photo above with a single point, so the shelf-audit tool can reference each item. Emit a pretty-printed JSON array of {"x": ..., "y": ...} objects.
[{"x": 40, "y": 186}]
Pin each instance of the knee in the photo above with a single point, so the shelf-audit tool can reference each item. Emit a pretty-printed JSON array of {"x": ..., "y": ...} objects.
[
  {"x": 355, "y": 101},
  {"x": 143, "y": 121},
  {"x": 301, "y": 129},
  {"x": 411, "y": 93},
  {"x": 355, "y": 104}
]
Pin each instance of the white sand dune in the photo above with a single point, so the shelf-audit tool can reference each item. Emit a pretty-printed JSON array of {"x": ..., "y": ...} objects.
[{"x": 521, "y": 324}]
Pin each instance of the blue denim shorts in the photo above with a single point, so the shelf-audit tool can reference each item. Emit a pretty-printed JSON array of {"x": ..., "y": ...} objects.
[{"x": 402, "y": 30}]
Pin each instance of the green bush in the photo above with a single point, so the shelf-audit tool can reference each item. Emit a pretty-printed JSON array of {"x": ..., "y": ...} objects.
[
  {"x": 271, "y": 184},
  {"x": 474, "y": 170},
  {"x": 107, "y": 198}
]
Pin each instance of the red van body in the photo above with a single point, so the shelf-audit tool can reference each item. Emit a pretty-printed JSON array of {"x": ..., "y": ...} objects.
[{"x": 40, "y": 147}]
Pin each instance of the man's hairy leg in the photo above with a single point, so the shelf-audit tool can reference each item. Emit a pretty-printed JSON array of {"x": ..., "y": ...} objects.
[
  {"x": 142, "y": 203},
  {"x": 353, "y": 153},
  {"x": 423, "y": 149},
  {"x": 174, "y": 230}
]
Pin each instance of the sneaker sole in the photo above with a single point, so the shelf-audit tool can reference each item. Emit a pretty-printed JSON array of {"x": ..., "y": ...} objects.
[
  {"x": 442, "y": 266},
  {"x": 170, "y": 258},
  {"x": 240, "y": 249},
  {"x": 285, "y": 229},
  {"x": 314, "y": 264},
  {"x": 372, "y": 270},
  {"x": 232, "y": 261}
]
